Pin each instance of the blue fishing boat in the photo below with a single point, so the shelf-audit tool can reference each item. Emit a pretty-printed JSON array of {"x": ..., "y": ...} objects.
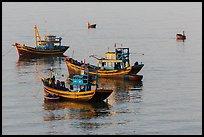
[{"x": 81, "y": 88}]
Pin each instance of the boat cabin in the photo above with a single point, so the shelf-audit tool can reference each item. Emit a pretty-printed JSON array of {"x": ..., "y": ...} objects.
[
  {"x": 50, "y": 42},
  {"x": 115, "y": 60},
  {"x": 81, "y": 83}
]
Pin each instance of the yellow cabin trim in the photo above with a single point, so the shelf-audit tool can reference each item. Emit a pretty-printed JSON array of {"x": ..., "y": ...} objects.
[
  {"x": 110, "y": 53},
  {"x": 110, "y": 60},
  {"x": 68, "y": 92}
]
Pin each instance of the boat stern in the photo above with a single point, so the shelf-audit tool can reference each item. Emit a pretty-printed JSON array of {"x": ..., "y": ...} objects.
[{"x": 136, "y": 68}]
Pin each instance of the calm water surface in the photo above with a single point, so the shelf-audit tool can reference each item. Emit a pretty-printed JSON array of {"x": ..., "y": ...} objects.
[{"x": 170, "y": 99}]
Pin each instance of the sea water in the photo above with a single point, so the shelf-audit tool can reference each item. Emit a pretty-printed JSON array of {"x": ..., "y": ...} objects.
[{"x": 167, "y": 101}]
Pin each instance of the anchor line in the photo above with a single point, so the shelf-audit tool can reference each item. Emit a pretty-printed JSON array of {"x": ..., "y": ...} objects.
[{"x": 8, "y": 51}]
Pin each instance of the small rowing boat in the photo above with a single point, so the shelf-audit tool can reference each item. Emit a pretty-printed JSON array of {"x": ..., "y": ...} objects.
[
  {"x": 91, "y": 25},
  {"x": 180, "y": 36}
]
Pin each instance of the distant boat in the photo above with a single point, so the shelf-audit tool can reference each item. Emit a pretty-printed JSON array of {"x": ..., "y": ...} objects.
[
  {"x": 180, "y": 36},
  {"x": 91, "y": 25},
  {"x": 50, "y": 46}
]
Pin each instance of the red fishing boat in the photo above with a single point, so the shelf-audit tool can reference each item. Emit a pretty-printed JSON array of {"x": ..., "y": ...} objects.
[{"x": 50, "y": 46}]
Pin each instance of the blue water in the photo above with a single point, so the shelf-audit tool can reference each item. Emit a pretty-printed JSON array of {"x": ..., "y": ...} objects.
[{"x": 170, "y": 99}]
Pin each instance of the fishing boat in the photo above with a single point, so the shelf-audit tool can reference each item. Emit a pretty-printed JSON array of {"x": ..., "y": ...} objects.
[
  {"x": 119, "y": 84},
  {"x": 77, "y": 110},
  {"x": 50, "y": 46},
  {"x": 91, "y": 25},
  {"x": 101, "y": 93},
  {"x": 181, "y": 36},
  {"x": 114, "y": 65},
  {"x": 81, "y": 88}
]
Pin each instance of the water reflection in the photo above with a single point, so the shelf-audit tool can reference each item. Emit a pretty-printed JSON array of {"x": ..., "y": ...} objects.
[
  {"x": 38, "y": 67},
  {"x": 123, "y": 90},
  {"x": 118, "y": 84},
  {"x": 75, "y": 110},
  {"x": 180, "y": 40},
  {"x": 51, "y": 61}
]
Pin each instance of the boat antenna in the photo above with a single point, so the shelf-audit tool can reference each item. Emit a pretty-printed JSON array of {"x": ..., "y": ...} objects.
[
  {"x": 115, "y": 45},
  {"x": 82, "y": 71},
  {"x": 96, "y": 77},
  {"x": 72, "y": 53},
  {"x": 45, "y": 26}
]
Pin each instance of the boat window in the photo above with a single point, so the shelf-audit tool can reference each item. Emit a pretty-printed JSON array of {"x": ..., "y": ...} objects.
[
  {"x": 71, "y": 87},
  {"x": 76, "y": 87},
  {"x": 82, "y": 88},
  {"x": 85, "y": 81}
]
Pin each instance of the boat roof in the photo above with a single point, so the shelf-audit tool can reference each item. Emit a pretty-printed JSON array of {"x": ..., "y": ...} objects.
[
  {"x": 80, "y": 80},
  {"x": 50, "y": 36},
  {"x": 122, "y": 48},
  {"x": 109, "y": 60},
  {"x": 110, "y": 52}
]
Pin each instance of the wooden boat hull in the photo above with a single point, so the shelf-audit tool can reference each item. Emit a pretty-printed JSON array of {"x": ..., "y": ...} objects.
[
  {"x": 74, "y": 96},
  {"x": 101, "y": 94},
  {"x": 30, "y": 52},
  {"x": 92, "y": 26},
  {"x": 180, "y": 37},
  {"x": 133, "y": 77},
  {"x": 46, "y": 98},
  {"x": 75, "y": 69}
]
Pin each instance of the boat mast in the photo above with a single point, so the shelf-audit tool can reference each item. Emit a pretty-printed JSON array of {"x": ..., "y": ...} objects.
[
  {"x": 94, "y": 56},
  {"x": 37, "y": 36},
  {"x": 50, "y": 72}
]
